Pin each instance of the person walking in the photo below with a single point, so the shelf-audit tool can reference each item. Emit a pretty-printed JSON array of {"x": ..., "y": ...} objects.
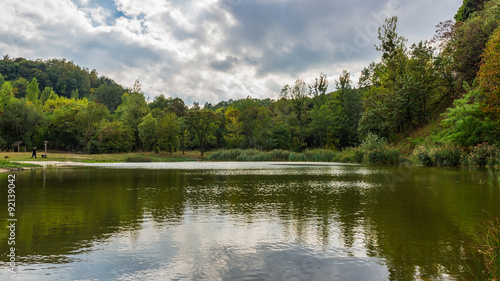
[{"x": 34, "y": 152}]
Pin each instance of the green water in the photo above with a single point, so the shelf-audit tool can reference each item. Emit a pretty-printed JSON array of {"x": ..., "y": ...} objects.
[{"x": 245, "y": 221}]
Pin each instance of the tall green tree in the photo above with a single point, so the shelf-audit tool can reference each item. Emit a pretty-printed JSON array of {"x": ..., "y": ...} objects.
[
  {"x": 87, "y": 121},
  {"x": 325, "y": 124},
  {"x": 19, "y": 121},
  {"x": 132, "y": 110},
  {"x": 6, "y": 95},
  {"x": 168, "y": 128},
  {"x": 148, "y": 132},
  {"x": 352, "y": 107},
  {"x": 203, "y": 123},
  {"x": 33, "y": 92},
  {"x": 234, "y": 137},
  {"x": 114, "y": 137}
]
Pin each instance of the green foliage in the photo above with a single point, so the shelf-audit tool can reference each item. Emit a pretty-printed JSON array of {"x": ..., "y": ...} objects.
[
  {"x": 447, "y": 156},
  {"x": 468, "y": 8},
  {"x": 148, "y": 132},
  {"x": 325, "y": 124},
  {"x": 20, "y": 121},
  {"x": 62, "y": 130},
  {"x": 6, "y": 95},
  {"x": 376, "y": 151},
  {"x": 386, "y": 155},
  {"x": 466, "y": 124},
  {"x": 423, "y": 157},
  {"x": 441, "y": 156},
  {"x": 33, "y": 92},
  {"x": 114, "y": 137},
  {"x": 169, "y": 105},
  {"x": 168, "y": 128},
  {"x": 109, "y": 94},
  {"x": 316, "y": 155},
  {"x": 352, "y": 155},
  {"x": 204, "y": 124},
  {"x": 234, "y": 137},
  {"x": 46, "y": 94},
  {"x": 15, "y": 165},
  {"x": 470, "y": 37}
]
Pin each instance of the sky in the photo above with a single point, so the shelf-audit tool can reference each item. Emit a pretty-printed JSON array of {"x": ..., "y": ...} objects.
[{"x": 213, "y": 50}]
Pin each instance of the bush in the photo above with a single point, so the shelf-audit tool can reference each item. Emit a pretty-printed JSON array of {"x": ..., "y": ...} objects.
[
  {"x": 352, "y": 155},
  {"x": 373, "y": 142},
  {"x": 444, "y": 156},
  {"x": 448, "y": 156},
  {"x": 423, "y": 157},
  {"x": 385, "y": 155},
  {"x": 483, "y": 155}
]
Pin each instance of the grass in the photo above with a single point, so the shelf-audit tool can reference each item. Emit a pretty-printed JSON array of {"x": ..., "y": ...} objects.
[
  {"x": 316, "y": 155},
  {"x": 102, "y": 158},
  {"x": 5, "y": 164},
  {"x": 487, "y": 249}
]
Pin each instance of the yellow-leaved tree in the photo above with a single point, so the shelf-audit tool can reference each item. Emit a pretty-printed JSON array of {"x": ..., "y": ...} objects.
[{"x": 489, "y": 75}]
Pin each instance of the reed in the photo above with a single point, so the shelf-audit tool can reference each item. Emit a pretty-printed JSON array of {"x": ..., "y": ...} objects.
[{"x": 487, "y": 249}]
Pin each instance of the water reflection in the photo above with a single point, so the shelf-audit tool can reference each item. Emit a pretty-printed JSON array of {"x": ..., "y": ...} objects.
[{"x": 255, "y": 222}]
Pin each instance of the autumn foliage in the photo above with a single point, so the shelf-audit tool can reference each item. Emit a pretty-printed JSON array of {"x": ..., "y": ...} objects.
[{"x": 489, "y": 74}]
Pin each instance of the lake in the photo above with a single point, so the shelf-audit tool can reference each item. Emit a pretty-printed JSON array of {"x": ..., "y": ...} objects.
[{"x": 246, "y": 221}]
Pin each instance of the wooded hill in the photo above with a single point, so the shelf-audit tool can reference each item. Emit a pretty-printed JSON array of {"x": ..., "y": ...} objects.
[{"x": 457, "y": 73}]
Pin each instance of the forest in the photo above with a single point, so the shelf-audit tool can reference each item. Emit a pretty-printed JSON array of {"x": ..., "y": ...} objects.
[{"x": 435, "y": 103}]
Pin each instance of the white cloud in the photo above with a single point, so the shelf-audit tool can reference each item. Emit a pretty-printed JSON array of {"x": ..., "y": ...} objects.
[{"x": 210, "y": 50}]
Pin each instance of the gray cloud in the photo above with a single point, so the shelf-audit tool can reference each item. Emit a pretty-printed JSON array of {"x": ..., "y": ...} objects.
[
  {"x": 209, "y": 52},
  {"x": 224, "y": 65}
]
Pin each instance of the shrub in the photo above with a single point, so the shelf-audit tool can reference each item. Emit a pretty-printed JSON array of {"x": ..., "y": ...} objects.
[
  {"x": 373, "y": 142},
  {"x": 422, "y": 156},
  {"x": 483, "y": 155},
  {"x": 384, "y": 155},
  {"x": 447, "y": 156},
  {"x": 352, "y": 155}
]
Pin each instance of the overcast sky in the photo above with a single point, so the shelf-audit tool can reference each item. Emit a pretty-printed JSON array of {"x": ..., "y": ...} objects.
[{"x": 212, "y": 50}]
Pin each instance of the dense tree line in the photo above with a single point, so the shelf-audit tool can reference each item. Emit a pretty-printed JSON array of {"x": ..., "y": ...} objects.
[{"x": 456, "y": 73}]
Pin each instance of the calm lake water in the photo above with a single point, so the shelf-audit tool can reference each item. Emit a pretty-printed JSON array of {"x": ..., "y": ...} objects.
[{"x": 246, "y": 221}]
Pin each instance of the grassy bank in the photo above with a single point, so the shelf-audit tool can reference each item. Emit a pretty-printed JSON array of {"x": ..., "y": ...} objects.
[
  {"x": 10, "y": 165},
  {"x": 102, "y": 158}
]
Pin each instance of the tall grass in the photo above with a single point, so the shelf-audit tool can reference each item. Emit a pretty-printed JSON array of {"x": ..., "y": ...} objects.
[
  {"x": 487, "y": 249},
  {"x": 138, "y": 159},
  {"x": 316, "y": 155}
]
